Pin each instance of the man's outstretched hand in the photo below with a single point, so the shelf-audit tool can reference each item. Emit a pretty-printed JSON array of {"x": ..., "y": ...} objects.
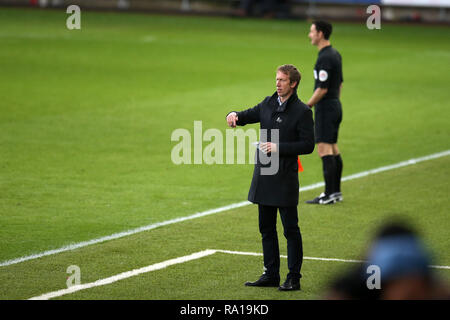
[{"x": 231, "y": 119}]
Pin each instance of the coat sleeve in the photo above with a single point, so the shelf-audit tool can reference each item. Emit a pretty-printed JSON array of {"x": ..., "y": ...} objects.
[
  {"x": 305, "y": 142},
  {"x": 248, "y": 116}
]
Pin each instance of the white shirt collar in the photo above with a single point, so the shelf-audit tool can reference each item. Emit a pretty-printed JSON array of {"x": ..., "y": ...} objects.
[{"x": 279, "y": 100}]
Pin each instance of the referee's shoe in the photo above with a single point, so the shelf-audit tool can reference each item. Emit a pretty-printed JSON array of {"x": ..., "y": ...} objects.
[{"x": 327, "y": 199}]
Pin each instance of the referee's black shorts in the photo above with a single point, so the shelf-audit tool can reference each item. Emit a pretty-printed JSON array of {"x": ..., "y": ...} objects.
[{"x": 327, "y": 118}]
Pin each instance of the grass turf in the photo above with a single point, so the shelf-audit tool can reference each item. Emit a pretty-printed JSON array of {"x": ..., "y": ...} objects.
[
  {"x": 86, "y": 116},
  {"x": 341, "y": 231}
]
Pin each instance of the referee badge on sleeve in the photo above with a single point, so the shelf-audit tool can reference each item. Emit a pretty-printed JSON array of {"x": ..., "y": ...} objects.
[{"x": 323, "y": 75}]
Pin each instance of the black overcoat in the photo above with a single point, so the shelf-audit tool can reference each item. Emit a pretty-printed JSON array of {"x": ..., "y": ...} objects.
[{"x": 296, "y": 136}]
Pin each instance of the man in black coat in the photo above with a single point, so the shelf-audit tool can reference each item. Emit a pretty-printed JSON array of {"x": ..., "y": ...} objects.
[{"x": 289, "y": 128}]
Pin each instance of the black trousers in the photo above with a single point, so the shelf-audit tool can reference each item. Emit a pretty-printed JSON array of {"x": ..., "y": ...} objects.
[{"x": 268, "y": 229}]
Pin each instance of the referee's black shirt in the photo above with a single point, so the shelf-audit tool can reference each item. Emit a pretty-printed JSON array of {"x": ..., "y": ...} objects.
[{"x": 328, "y": 72}]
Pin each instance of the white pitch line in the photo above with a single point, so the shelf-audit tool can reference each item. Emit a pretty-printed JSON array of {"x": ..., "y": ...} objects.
[
  {"x": 114, "y": 236},
  {"x": 440, "y": 267},
  {"x": 122, "y": 234},
  {"x": 281, "y": 256},
  {"x": 397, "y": 165},
  {"x": 124, "y": 275},
  {"x": 171, "y": 262},
  {"x": 244, "y": 253}
]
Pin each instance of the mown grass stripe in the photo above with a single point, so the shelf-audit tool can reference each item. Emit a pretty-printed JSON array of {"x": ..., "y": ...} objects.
[{"x": 212, "y": 211}]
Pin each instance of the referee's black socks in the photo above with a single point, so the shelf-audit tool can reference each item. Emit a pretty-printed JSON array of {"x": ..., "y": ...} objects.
[
  {"x": 339, "y": 166},
  {"x": 329, "y": 173}
]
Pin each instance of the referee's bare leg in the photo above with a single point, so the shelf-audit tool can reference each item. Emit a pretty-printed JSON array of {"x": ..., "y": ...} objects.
[{"x": 327, "y": 149}]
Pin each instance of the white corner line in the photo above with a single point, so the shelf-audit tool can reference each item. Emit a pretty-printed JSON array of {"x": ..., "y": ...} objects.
[
  {"x": 171, "y": 262},
  {"x": 114, "y": 236},
  {"x": 124, "y": 275}
]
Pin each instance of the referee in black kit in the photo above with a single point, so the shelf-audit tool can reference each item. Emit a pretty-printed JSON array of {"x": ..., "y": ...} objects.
[{"x": 328, "y": 111}]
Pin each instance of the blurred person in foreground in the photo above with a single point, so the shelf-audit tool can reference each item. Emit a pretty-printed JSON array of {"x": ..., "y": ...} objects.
[{"x": 405, "y": 270}]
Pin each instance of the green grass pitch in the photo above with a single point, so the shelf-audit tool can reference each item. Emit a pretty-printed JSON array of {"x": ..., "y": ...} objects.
[{"x": 86, "y": 118}]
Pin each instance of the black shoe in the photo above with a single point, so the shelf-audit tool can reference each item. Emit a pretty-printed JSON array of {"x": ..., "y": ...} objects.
[
  {"x": 323, "y": 199},
  {"x": 290, "y": 284},
  {"x": 264, "y": 281}
]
